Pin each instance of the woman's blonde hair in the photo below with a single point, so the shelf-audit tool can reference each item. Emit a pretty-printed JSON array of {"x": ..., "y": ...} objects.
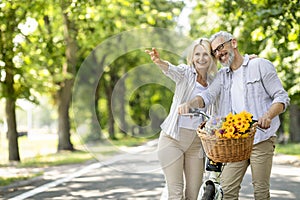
[{"x": 205, "y": 43}]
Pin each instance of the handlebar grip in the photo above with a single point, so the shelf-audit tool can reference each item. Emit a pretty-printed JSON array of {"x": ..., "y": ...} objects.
[
  {"x": 255, "y": 120},
  {"x": 198, "y": 112}
]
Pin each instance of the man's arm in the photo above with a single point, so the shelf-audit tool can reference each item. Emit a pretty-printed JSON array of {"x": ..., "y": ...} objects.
[
  {"x": 274, "y": 88},
  {"x": 196, "y": 102},
  {"x": 275, "y": 109}
]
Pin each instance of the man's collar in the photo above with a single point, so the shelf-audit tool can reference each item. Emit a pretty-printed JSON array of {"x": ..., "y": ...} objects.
[
  {"x": 246, "y": 60},
  {"x": 245, "y": 63}
]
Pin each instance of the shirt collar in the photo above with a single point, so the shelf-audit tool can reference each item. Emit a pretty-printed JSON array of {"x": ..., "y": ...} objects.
[
  {"x": 193, "y": 69},
  {"x": 244, "y": 64},
  {"x": 246, "y": 60}
]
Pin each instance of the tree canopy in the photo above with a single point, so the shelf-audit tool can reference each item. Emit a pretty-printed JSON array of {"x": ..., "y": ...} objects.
[{"x": 66, "y": 49}]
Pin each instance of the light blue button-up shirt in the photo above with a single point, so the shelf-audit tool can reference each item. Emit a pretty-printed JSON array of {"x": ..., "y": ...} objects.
[{"x": 262, "y": 88}]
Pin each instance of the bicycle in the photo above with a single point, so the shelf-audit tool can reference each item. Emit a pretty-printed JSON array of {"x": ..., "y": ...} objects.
[{"x": 211, "y": 188}]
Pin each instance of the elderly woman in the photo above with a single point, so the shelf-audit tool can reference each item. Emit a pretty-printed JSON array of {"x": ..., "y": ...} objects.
[{"x": 179, "y": 148}]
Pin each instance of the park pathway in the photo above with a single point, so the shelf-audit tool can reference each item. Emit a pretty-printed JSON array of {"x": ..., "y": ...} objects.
[{"x": 135, "y": 175}]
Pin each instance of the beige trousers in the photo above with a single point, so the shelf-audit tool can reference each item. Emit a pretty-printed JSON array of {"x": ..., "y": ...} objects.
[
  {"x": 182, "y": 163},
  {"x": 261, "y": 164}
]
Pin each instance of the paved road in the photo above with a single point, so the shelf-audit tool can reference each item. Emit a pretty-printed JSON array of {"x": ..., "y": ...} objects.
[{"x": 134, "y": 175}]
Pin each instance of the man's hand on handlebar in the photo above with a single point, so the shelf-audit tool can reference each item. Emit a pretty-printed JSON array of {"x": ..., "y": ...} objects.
[
  {"x": 264, "y": 122},
  {"x": 257, "y": 126}
]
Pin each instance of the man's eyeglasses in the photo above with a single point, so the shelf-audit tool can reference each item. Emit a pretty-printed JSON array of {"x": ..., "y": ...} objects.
[{"x": 220, "y": 47}]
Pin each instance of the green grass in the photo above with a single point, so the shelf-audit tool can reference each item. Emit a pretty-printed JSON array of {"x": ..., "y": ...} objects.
[
  {"x": 38, "y": 148},
  {"x": 290, "y": 149},
  {"x": 8, "y": 180},
  {"x": 129, "y": 141},
  {"x": 61, "y": 158}
]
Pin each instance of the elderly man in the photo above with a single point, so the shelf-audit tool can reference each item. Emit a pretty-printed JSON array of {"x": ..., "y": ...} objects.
[{"x": 251, "y": 85}]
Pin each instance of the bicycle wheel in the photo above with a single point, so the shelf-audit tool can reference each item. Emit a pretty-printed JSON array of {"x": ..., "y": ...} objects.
[{"x": 209, "y": 192}]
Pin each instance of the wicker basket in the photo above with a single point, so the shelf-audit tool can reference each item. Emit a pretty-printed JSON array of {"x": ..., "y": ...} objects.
[{"x": 226, "y": 150}]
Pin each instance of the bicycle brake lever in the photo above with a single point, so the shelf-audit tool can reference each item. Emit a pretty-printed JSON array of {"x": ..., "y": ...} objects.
[
  {"x": 261, "y": 129},
  {"x": 198, "y": 112}
]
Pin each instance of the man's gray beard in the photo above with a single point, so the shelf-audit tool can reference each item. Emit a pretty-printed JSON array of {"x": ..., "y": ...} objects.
[{"x": 230, "y": 59}]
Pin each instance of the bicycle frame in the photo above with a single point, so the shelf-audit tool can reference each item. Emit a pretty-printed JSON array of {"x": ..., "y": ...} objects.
[{"x": 211, "y": 188}]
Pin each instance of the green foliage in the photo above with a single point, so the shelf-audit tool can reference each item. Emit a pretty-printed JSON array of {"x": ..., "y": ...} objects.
[
  {"x": 9, "y": 180},
  {"x": 289, "y": 149},
  {"x": 106, "y": 20},
  {"x": 11, "y": 15},
  {"x": 41, "y": 48},
  {"x": 144, "y": 98},
  {"x": 268, "y": 28}
]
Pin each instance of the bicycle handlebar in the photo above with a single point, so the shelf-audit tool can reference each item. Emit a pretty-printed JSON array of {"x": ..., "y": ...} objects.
[
  {"x": 261, "y": 129},
  {"x": 197, "y": 112}
]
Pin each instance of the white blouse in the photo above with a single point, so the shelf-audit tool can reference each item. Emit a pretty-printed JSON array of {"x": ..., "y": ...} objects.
[{"x": 192, "y": 122}]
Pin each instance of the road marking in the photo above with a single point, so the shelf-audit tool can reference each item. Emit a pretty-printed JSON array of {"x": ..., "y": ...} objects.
[
  {"x": 57, "y": 182},
  {"x": 68, "y": 178}
]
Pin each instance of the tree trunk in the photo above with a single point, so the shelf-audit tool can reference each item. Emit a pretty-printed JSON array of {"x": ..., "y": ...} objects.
[
  {"x": 65, "y": 92},
  {"x": 111, "y": 122},
  {"x": 124, "y": 126},
  {"x": 294, "y": 123},
  {"x": 64, "y": 136},
  {"x": 118, "y": 103},
  {"x": 13, "y": 146},
  {"x": 96, "y": 132},
  {"x": 282, "y": 138},
  {"x": 10, "y": 109}
]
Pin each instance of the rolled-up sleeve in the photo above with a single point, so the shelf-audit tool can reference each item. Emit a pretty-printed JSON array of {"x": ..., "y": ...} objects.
[{"x": 272, "y": 83}]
